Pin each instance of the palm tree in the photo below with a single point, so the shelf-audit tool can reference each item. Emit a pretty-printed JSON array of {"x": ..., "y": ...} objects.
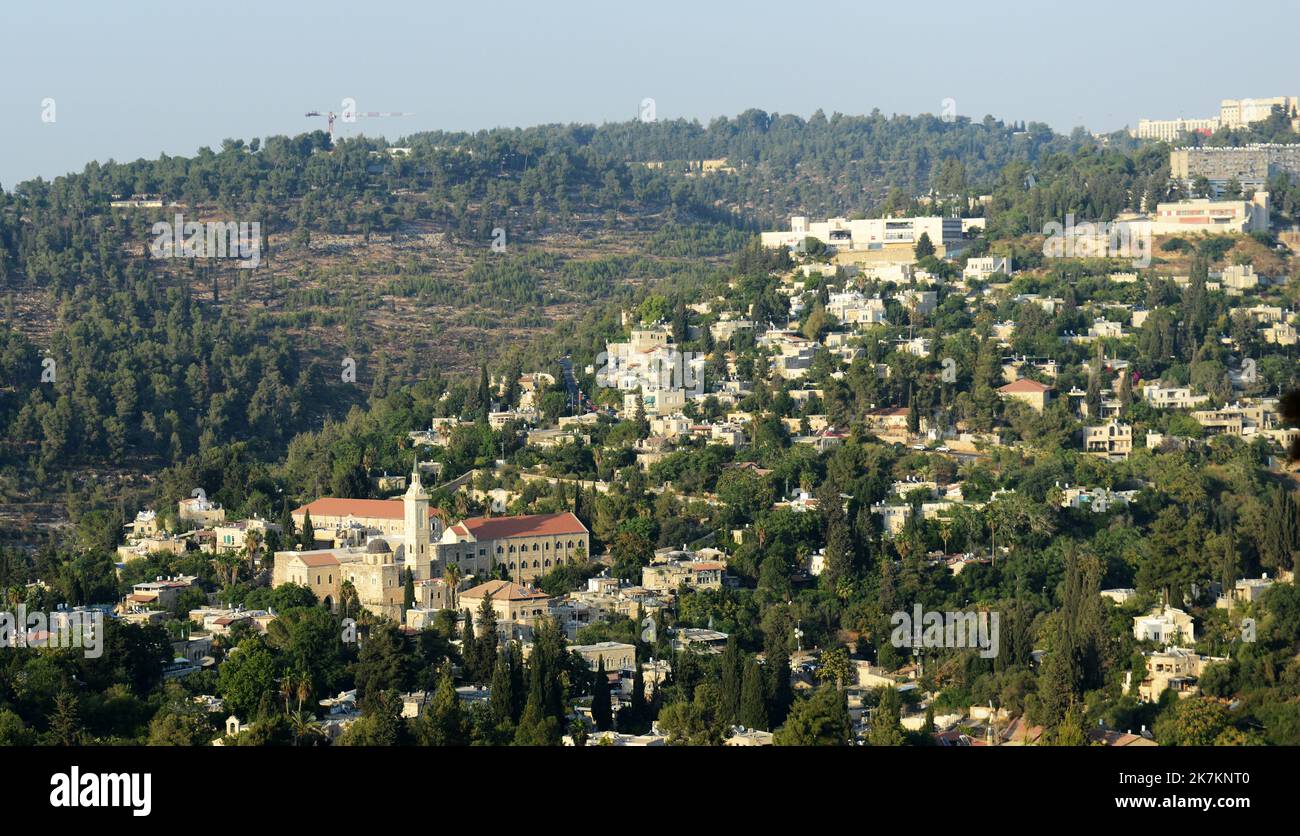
[
  {"x": 227, "y": 568},
  {"x": 451, "y": 574},
  {"x": 305, "y": 730},
  {"x": 304, "y": 688},
  {"x": 349, "y": 600},
  {"x": 286, "y": 690},
  {"x": 252, "y": 546}
]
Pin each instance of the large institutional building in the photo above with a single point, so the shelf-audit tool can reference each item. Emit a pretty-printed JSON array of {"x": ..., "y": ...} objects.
[
  {"x": 1250, "y": 165},
  {"x": 373, "y": 541},
  {"x": 1233, "y": 113},
  {"x": 874, "y": 234},
  {"x": 528, "y": 546}
]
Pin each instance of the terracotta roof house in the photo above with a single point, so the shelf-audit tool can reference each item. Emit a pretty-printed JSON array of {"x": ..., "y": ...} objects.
[
  {"x": 512, "y": 602},
  {"x": 1036, "y": 395}
]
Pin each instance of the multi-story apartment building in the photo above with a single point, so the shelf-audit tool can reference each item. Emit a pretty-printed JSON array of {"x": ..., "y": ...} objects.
[
  {"x": 1174, "y": 667},
  {"x": 1171, "y": 397},
  {"x": 696, "y": 574},
  {"x": 853, "y": 308},
  {"x": 982, "y": 268},
  {"x": 1212, "y": 216},
  {"x": 1238, "y": 113},
  {"x": 1251, "y": 166},
  {"x": 1170, "y": 130},
  {"x": 1111, "y": 440},
  {"x": 871, "y": 234}
]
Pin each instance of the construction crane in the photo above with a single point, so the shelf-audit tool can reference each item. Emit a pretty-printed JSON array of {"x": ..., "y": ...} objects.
[{"x": 330, "y": 115}]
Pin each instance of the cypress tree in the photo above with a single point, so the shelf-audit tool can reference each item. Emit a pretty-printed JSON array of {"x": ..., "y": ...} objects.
[
  {"x": 308, "y": 538},
  {"x": 753, "y": 702},
  {"x": 467, "y": 645},
  {"x": 730, "y": 677},
  {"x": 601, "y": 711},
  {"x": 778, "y": 661},
  {"x": 535, "y": 727},
  {"x": 485, "y": 645},
  {"x": 637, "y": 710},
  {"x": 501, "y": 699}
]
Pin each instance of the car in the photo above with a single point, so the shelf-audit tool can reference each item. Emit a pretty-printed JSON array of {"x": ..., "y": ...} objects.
[{"x": 943, "y": 449}]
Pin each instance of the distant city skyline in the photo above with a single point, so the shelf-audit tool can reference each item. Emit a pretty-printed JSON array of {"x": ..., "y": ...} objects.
[{"x": 132, "y": 81}]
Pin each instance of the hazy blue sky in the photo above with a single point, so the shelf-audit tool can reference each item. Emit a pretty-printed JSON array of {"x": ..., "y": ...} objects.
[{"x": 134, "y": 79}]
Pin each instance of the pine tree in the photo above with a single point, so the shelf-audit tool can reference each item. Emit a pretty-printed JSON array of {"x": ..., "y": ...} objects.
[
  {"x": 924, "y": 246},
  {"x": 839, "y": 554},
  {"x": 753, "y": 697},
  {"x": 65, "y": 725},
  {"x": 408, "y": 596},
  {"x": 601, "y": 711},
  {"x": 886, "y": 728},
  {"x": 443, "y": 721}
]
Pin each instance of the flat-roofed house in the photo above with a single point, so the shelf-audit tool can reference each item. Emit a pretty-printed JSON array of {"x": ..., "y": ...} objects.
[
  {"x": 617, "y": 656},
  {"x": 1111, "y": 440}
]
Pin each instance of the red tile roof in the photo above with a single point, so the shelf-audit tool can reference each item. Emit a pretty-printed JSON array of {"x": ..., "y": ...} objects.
[
  {"x": 531, "y": 525},
  {"x": 1025, "y": 385},
  {"x": 503, "y": 591},
  {"x": 378, "y": 509},
  {"x": 316, "y": 560}
]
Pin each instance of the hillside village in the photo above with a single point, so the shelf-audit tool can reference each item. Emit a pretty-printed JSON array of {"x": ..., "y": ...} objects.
[{"x": 868, "y": 409}]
